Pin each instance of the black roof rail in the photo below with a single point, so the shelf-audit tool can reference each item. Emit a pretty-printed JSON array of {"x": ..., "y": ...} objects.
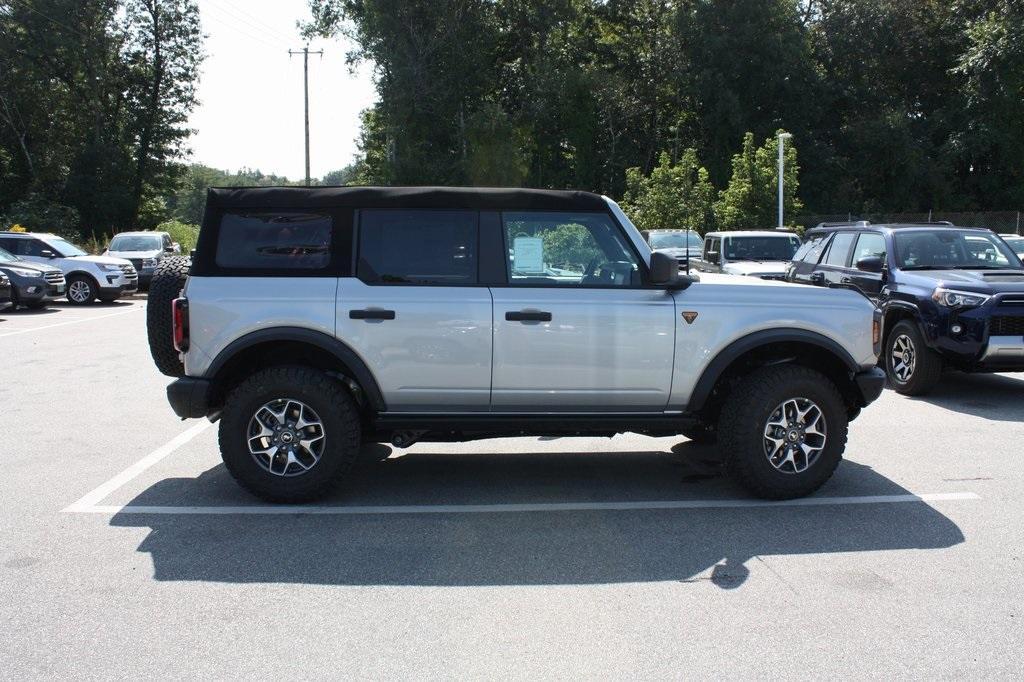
[
  {"x": 844, "y": 223},
  {"x": 936, "y": 223}
]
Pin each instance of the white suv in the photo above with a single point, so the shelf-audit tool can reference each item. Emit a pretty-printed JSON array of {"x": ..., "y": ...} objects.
[
  {"x": 313, "y": 320},
  {"x": 88, "y": 277}
]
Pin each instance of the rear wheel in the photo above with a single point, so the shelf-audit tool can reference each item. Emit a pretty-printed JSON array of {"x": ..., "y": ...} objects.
[
  {"x": 166, "y": 285},
  {"x": 911, "y": 366},
  {"x": 289, "y": 434},
  {"x": 782, "y": 432},
  {"x": 82, "y": 290}
]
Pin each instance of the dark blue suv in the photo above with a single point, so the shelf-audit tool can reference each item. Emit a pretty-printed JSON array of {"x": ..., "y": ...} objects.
[{"x": 951, "y": 297}]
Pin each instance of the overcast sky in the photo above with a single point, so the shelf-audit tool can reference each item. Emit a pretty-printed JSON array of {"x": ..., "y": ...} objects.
[{"x": 250, "y": 111}]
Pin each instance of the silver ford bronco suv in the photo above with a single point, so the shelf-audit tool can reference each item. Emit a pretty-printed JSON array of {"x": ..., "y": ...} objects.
[{"x": 310, "y": 321}]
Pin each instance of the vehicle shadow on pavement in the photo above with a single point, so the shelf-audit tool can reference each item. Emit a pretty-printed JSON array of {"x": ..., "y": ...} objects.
[
  {"x": 992, "y": 396},
  {"x": 519, "y": 548}
]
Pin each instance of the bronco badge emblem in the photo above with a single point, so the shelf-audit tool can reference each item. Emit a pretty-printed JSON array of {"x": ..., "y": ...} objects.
[{"x": 689, "y": 316}]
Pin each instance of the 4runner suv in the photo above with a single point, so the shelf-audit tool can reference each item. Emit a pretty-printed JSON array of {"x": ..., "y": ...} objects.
[
  {"x": 757, "y": 253},
  {"x": 88, "y": 277},
  {"x": 313, "y": 320},
  {"x": 950, "y": 296}
]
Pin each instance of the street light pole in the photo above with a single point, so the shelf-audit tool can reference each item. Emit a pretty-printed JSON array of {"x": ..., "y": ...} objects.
[{"x": 782, "y": 167}]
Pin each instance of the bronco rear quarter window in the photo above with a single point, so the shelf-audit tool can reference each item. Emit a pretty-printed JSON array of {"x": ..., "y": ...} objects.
[{"x": 276, "y": 240}]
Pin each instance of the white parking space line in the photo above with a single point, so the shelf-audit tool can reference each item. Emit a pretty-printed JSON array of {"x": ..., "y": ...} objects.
[
  {"x": 96, "y": 496},
  {"x": 75, "y": 321},
  {"x": 518, "y": 508}
]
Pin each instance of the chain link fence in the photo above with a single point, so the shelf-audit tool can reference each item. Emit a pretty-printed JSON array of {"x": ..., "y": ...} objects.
[{"x": 1004, "y": 222}]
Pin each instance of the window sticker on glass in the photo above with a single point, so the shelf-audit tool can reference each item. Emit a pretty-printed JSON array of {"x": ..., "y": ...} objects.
[{"x": 528, "y": 254}]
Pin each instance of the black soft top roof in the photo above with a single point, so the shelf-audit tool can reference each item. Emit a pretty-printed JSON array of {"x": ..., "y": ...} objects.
[{"x": 481, "y": 198}]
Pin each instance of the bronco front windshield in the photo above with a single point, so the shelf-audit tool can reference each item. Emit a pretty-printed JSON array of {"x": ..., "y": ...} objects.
[{"x": 951, "y": 249}]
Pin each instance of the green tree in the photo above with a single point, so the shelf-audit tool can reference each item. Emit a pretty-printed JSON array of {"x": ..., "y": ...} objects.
[
  {"x": 750, "y": 201},
  {"x": 673, "y": 197},
  {"x": 990, "y": 147}
]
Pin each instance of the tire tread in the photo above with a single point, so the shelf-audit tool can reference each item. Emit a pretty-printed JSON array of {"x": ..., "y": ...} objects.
[{"x": 744, "y": 404}]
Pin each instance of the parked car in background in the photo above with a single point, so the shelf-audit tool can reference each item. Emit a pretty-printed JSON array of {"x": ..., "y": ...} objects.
[
  {"x": 757, "y": 253},
  {"x": 1016, "y": 244},
  {"x": 5, "y": 292},
  {"x": 88, "y": 277},
  {"x": 682, "y": 245},
  {"x": 32, "y": 285},
  {"x": 951, "y": 297},
  {"x": 144, "y": 250}
]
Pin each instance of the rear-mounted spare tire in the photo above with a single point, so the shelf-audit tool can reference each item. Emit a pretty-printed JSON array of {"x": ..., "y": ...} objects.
[{"x": 168, "y": 281}]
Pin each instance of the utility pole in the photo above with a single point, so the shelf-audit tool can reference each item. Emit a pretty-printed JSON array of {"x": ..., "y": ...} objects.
[{"x": 305, "y": 90}]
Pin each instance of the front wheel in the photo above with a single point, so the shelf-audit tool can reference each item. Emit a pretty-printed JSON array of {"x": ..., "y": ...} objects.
[
  {"x": 81, "y": 290},
  {"x": 911, "y": 366},
  {"x": 289, "y": 434},
  {"x": 782, "y": 431}
]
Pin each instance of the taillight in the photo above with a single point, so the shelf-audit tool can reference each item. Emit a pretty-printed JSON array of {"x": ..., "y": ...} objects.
[{"x": 179, "y": 322}]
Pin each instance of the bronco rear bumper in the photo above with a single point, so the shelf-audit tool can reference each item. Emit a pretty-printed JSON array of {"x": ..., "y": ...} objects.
[{"x": 189, "y": 397}]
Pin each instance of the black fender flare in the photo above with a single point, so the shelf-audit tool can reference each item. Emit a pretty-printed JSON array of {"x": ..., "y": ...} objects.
[
  {"x": 915, "y": 315},
  {"x": 347, "y": 357},
  {"x": 702, "y": 389}
]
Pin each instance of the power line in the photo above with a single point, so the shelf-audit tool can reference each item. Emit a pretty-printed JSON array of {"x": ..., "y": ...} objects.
[
  {"x": 30, "y": 8},
  {"x": 226, "y": 21},
  {"x": 256, "y": 20},
  {"x": 261, "y": 30}
]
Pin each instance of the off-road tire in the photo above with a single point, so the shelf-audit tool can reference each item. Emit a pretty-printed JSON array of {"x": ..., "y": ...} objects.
[
  {"x": 94, "y": 289},
  {"x": 168, "y": 281},
  {"x": 324, "y": 395},
  {"x": 927, "y": 366},
  {"x": 700, "y": 433},
  {"x": 746, "y": 412}
]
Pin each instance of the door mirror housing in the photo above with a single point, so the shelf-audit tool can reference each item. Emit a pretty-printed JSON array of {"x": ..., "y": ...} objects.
[
  {"x": 665, "y": 272},
  {"x": 712, "y": 257},
  {"x": 174, "y": 248},
  {"x": 46, "y": 253},
  {"x": 870, "y": 264}
]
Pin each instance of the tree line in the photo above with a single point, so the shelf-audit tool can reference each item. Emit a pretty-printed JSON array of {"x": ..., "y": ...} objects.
[
  {"x": 896, "y": 105},
  {"x": 94, "y": 100},
  {"x": 670, "y": 105}
]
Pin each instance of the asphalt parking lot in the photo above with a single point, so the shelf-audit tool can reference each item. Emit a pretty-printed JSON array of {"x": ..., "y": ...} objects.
[{"x": 127, "y": 551}]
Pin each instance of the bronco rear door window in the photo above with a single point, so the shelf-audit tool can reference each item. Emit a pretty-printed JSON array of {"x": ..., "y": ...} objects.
[
  {"x": 436, "y": 247},
  {"x": 276, "y": 240}
]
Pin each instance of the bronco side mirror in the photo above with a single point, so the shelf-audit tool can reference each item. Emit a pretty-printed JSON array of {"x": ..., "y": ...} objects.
[{"x": 665, "y": 272}]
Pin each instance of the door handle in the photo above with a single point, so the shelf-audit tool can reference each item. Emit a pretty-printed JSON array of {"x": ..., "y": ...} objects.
[
  {"x": 528, "y": 316},
  {"x": 371, "y": 314}
]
